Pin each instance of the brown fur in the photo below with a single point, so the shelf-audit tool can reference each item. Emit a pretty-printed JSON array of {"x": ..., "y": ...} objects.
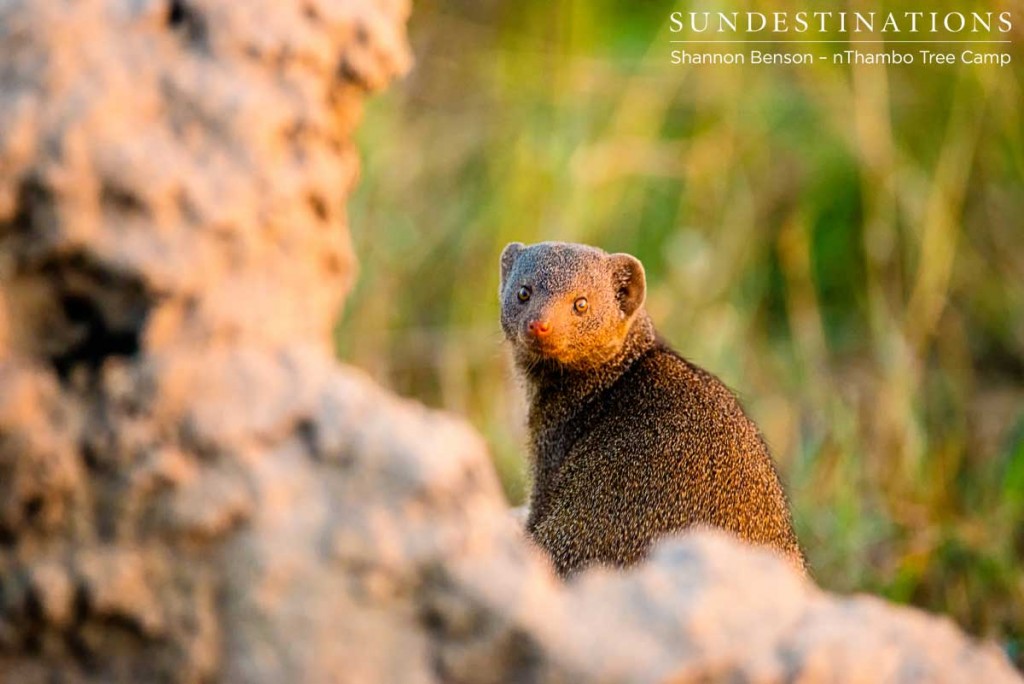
[{"x": 630, "y": 441}]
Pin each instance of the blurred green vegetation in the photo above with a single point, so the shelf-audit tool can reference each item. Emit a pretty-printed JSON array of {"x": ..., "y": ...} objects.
[{"x": 842, "y": 245}]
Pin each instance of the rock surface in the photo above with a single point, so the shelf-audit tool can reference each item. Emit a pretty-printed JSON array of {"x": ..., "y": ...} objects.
[{"x": 192, "y": 490}]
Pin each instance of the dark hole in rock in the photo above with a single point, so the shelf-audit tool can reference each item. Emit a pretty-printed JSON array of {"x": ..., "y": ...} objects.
[
  {"x": 130, "y": 625},
  {"x": 34, "y": 606},
  {"x": 33, "y": 642},
  {"x": 80, "y": 650},
  {"x": 182, "y": 16},
  {"x": 122, "y": 200},
  {"x": 177, "y": 13},
  {"x": 433, "y": 620},
  {"x": 319, "y": 207},
  {"x": 91, "y": 456},
  {"x": 33, "y": 507},
  {"x": 96, "y": 311},
  {"x": 523, "y": 657},
  {"x": 80, "y": 609},
  {"x": 307, "y": 433},
  {"x": 98, "y": 340},
  {"x": 34, "y": 210}
]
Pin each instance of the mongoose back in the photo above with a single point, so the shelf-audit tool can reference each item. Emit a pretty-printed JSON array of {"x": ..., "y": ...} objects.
[{"x": 629, "y": 440}]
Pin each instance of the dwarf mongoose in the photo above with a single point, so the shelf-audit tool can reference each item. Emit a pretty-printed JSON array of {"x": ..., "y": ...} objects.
[{"x": 630, "y": 441}]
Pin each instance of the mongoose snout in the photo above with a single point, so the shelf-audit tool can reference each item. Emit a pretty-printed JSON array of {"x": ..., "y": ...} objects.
[
  {"x": 629, "y": 441},
  {"x": 539, "y": 327}
]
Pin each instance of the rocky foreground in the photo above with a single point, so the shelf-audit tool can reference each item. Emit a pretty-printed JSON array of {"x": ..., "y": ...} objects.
[{"x": 192, "y": 490}]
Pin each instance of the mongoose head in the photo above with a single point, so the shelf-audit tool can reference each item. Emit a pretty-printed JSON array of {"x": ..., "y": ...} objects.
[{"x": 568, "y": 303}]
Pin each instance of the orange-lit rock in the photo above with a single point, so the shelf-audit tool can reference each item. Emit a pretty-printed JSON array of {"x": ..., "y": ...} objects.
[{"x": 192, "y": 490}]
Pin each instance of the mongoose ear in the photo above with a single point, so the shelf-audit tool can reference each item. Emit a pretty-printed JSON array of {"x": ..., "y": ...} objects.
[
  {"x": 508, "y": 257},
  {"x": 629, "y": 281}
]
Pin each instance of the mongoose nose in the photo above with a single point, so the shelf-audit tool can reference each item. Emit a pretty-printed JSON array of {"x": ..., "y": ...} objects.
[{"x": 539, "y": 328}]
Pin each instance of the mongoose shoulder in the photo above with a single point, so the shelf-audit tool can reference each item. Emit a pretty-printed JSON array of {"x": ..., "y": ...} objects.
[{"x": 629, "y": 440}]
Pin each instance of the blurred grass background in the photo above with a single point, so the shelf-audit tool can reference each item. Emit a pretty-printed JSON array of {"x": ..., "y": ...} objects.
[{"x": 843, "y": 246}]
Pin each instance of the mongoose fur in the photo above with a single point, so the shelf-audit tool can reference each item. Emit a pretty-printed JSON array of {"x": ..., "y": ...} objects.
[{"x": 629, "y": 440}]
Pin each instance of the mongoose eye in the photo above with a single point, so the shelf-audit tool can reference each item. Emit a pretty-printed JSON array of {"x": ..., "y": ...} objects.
[
  {"x": 524, "y": 293},
  {"x": 581, "y": 305}
]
